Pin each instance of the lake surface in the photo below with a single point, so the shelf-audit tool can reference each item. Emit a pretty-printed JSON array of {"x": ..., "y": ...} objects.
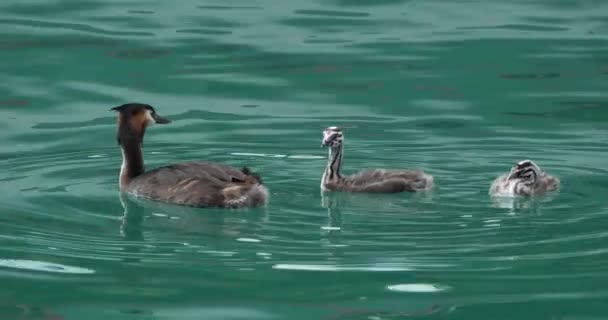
[{"x": 462, "y": 89}]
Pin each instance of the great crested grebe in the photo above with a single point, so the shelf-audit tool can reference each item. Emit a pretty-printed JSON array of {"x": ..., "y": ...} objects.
[
  {"x": 525, "y": 179},
  {"x": 373, "y": 180},
  {"x": 197, "y": 184}
]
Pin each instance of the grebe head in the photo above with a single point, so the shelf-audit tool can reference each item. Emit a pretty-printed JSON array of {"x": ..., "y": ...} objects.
[
  {"x": 332, "y": 137},
  {"x": 526, "y": 170},
  {"x": 133, "y": 118}
]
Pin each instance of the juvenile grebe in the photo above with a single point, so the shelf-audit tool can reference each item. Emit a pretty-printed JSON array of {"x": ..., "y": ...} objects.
[
  {"x": 197, "y": 184},
  {"x": 374, "y": 180},
  {"x": 525, "y": 179}
]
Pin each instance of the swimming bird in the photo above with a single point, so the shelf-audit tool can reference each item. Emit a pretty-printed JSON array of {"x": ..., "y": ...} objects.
[
  {"x": 371, "y": 180},
  {"x": 526, "y": 178},
  {"x": 197, "y": 184}
]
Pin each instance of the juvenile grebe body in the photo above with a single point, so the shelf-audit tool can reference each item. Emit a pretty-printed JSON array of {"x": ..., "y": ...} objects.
[
  {"x": 526, "y": 178},
  {"x": 197, "y": 184},
  {"x": 371, "y": 180}
]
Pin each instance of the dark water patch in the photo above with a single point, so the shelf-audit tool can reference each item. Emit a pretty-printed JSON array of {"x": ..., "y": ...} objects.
[
  {"x": 32, "y": 137},
  {"x": 326, "y": 22},
  {"x": 54, "y": 42},
  {"x": 530, "y": 76},
  {"x": 330, "y": 69},
  {"x": 283, "y": 68},
  {"x": 70, "y": 26},
  {"x": 212, "y": 116},
  {"x": 13, "y": 102},
  {"x": 392, "y": 39},
  {"x": 147, "y": 53},
  {"x": 444, "y": 91},
  {"x": 29, "y": 189},
  {"x": 323, "y": 30},
  {"x": 518, "y": 27},
  {"x": 71, "y": 125},
  {"x": 128, "y": 22},
  {"x": 589, "y": 111},
  {"x": 346, "y": 66},
  {"x": 23, "y": 311},
  {"x": 52, "y": 8},
  {"x": 218, "y": 7},
  {"x": 443, "y": 124},
  {"x": 211, "y": 47},
  {"x": 214, "y": 22},
  {"x": 368, "y": 3},
  {"x": 585, "y": 103},
  {"x": 332, "y": 13},
  {"x": 205, "y": 31},
  {"x": 399, "y": 47},
  {"x": 371, "y": 32},
  {"x": 601, "y": 19},
  {"x": 140, "y": 12},
  {"x": 527, "y": 114},
  {"x": 245, "y": 90},
  {"x": 548, "y": 20},
  {"x": 12, "y": 178},
  {"x": 326, "y": 41},
  {"x": 352, "y": 86}
]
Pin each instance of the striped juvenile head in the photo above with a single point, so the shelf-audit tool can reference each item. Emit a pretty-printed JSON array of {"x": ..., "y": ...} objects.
[
  {"x": 526, "y": 170},
  {"x": 332, "y": 137}
]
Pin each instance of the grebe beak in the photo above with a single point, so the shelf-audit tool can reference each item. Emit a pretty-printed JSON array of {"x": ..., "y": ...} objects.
[{"x": 160, "y": 120}]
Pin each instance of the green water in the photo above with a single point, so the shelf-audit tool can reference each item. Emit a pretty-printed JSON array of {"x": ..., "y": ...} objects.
[{"x": 460, "y": 88}]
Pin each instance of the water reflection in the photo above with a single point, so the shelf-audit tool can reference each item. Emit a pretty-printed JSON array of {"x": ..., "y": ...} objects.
[
  {"x": 522, "y": 204},
  {"x": 131, "y": 226},
  {"x": 140, "y": 214}
]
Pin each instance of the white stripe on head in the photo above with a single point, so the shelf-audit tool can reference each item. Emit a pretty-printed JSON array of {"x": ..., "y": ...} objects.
[
  {"x": 149, "y": 117},
  {"x": 332, "y": 136}
]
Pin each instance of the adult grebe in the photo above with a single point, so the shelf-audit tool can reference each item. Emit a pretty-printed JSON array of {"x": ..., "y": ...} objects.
[
  {"x": 374, "y": 180},
  {"x": 525, "y": 179},
  {"x": 197, "y": 184}
]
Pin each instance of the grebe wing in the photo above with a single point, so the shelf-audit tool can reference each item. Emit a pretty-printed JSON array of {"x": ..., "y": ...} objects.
[
  {"x": 387, "y": 181},
  {"x": 379, "y": 175},
  {"x": 194, "y": 183},
  {"x": 202, "y": 169},
  {"x": 213, "y": 175},
  {"x": 384, "y": 186}
]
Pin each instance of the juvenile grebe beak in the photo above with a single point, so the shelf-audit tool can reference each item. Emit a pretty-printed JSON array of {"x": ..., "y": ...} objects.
[{"x": 160, "y": 120}]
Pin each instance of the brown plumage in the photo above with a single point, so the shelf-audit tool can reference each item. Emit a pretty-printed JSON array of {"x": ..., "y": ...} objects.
[
  {"x": 371, "y": 181},
  {"x": 198, "y": 184},
  {"x": 383, "y": 181}
]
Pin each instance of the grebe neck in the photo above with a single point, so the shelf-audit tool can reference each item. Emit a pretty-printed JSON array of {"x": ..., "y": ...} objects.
[
  {"x": 334, "y": 164},
  {"x": 132, "y": 161}
]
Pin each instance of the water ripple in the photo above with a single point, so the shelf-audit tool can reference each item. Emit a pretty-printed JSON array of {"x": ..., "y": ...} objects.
[
  {"x": 462, "y": 90},
  {"x": 42, "y": 266}
]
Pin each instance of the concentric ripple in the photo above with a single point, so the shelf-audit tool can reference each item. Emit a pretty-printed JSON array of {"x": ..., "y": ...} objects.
[{"x": 461, "y": 90}]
